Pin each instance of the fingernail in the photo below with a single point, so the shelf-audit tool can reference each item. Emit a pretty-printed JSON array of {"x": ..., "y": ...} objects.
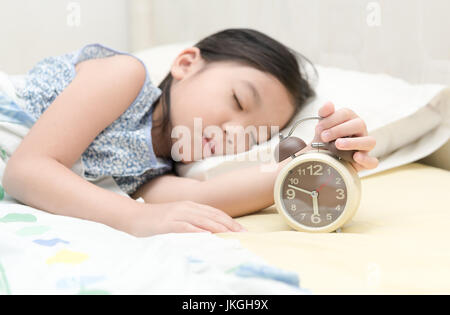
[
  {"x": 326, "y": 135},
  {"x": 360, "y": 156},
  {"x": 342, "y": 143}
]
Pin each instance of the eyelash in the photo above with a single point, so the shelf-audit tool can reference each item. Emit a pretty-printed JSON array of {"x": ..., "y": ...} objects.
[{"x": 237, "y": 102}]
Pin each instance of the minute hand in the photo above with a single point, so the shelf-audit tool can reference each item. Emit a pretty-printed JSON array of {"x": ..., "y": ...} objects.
[
  {"x": 302, "y": 190},
  {"x": 315, "y": 205}
]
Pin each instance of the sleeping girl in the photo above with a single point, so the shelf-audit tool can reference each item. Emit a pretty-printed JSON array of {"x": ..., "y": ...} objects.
[{"x": 99, "y": 107}]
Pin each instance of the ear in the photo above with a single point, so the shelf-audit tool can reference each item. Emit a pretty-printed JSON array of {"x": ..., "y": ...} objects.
[{"x": 188, "y": 62}]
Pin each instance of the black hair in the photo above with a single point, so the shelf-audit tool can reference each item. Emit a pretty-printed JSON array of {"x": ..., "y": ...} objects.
[{"x": 255, "y": 49}]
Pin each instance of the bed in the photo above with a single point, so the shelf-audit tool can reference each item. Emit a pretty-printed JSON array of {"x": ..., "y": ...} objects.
[{"x": 396, "y": 243}]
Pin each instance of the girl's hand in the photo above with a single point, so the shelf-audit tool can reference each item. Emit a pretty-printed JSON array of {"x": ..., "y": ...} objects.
[
  {"x": 182, "y": 217},
  {"x": 342, "y": 123}
]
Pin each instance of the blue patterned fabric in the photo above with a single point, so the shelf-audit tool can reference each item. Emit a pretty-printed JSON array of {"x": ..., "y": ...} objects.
[
  {"x": 11, "y": 112},
  {"x": 124, "y": 149},
  {"x": 268, "y": 272}
]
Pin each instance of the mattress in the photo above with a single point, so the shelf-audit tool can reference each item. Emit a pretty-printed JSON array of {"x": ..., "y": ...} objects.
[{"x": 398, "y": 241}]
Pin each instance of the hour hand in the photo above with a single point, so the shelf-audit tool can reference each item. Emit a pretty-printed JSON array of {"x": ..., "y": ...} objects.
[{"x": 299, "y": 189}]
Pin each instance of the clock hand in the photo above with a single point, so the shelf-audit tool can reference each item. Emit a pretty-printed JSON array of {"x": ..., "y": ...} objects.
[
  {"x": 313, "y": 194},
  {"x": 302, "y": 190},
  {"x": 315, "y": 204}
]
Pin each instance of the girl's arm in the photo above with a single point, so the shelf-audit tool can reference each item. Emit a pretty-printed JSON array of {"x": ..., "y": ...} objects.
[
  {"x": 38, "y": 173},
  {"x": 237, "y": 193}
]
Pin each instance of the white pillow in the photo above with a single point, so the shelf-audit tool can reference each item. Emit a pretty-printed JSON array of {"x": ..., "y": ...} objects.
[{"x": 396, "y": 113}]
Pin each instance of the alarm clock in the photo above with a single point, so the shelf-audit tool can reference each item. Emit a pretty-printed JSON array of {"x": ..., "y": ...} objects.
[{"x": 319, "y": 190}]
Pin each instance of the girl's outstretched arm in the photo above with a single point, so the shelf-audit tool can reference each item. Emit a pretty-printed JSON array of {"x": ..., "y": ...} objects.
[{"x": 237, "y": 193}]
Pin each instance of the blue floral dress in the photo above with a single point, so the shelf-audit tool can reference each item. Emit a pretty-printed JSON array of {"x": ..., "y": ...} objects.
[{"x": 123, "y": 150}]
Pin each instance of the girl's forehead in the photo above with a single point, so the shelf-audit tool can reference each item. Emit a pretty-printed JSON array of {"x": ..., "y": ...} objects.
[{"x": 239, "y": 73}]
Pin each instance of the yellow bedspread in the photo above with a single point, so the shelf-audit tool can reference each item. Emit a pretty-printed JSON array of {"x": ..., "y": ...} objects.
[{"x": 398, "y": 241}]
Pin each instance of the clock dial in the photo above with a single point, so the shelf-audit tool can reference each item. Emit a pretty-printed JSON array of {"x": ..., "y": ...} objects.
[{"x": 314, "y": 194}]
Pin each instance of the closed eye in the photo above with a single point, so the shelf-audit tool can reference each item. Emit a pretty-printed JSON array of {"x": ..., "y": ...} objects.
[{"x": 237, "y": 102}]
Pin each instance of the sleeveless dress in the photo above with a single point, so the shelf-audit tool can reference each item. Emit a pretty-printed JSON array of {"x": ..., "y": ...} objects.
[{"x": 121, "y": 155}]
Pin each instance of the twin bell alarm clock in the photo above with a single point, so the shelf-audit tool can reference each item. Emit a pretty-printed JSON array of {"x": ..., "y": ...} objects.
[{"x": 319, "y": 190}]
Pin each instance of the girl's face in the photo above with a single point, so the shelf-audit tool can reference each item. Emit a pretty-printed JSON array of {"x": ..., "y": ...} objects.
[{"x": 226, "y": 106}]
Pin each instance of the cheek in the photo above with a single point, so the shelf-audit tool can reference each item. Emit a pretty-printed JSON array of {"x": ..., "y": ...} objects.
[
  {"x": 186, "y": 105},
  {"x": 205, "y": 112}
]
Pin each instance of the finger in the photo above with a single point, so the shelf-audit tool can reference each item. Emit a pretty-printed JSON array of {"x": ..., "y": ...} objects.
[
  {"x": 185, "y": 227},
  {"x": 205, "y": 223},
  {"x": 357, "y": 167},
  {"x": 198, "y": 211},
  {"x": 365, "y": 160},
  {"x": 356, "y": 143},
  {"x": 223, "y": 218},
  {"x": 326, "y": 110},
  {"x": 355, "y": 127},
  {"x": 340, "y": 116}
]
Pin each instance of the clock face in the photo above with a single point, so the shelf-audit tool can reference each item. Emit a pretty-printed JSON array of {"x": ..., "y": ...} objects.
[{"x": 314, "y": 194}]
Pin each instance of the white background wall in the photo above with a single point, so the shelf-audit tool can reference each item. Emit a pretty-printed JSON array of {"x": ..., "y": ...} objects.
[
  {"x": 33, "y": 29},
  {"x": 405, "y": 38}
]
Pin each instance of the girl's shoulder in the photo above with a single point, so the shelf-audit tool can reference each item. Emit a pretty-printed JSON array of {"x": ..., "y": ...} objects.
[{"x": 51, "y": 75}]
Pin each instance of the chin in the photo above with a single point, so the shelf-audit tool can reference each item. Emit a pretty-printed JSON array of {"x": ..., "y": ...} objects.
[{"x": 185, "y": 162}]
